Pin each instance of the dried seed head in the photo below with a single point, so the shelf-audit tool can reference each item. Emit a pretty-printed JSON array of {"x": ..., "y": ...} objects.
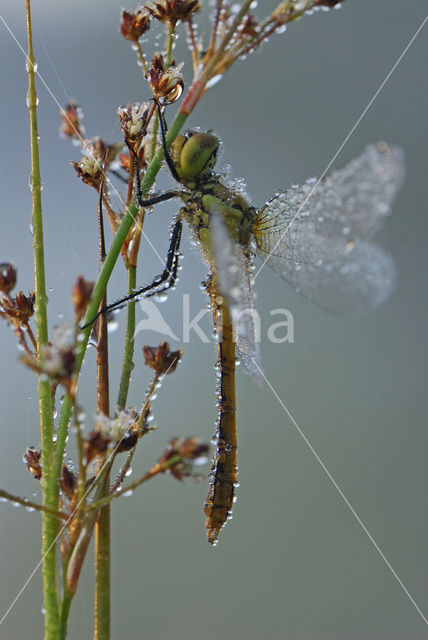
[
  {"x": 161, "y": 359},
  {"x": 19, "y": 309},
  {"x": 172, "y": 11},
  {"x": 119, "y": 429},
  {"x": 67, "y": 481},
  {"x": 89, "y": 170},
  {"x": 167, "y": 84},
  {"x": 59, "y": 358},
  {"x": 133, "y": 25},
  {"x": 191, "y": 452},
  {"x": 25, "y": 304},
  {"x": 7, "y": 277},
  {"x": 95, "y": 445},
  {"x": 249, "y": 27},
  {"x": 127, "y": 442},
  {"x": 70, "y": 126},
  {"x": 133, "y": 119},
  {"x": 32, "y": 460},
  {"x": 81, "y": 295},
  {"x": 101, "y": 150}
]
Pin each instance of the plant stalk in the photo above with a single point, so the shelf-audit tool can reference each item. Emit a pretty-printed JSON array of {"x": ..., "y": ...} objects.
[
  {"x": 128, "y": 352},
  {"x": 102, "y": 525},
  {"x": 49, "y": 482}
]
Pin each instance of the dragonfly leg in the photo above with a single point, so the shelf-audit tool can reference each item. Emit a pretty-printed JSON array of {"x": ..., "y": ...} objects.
[
  {"x": 166, "y": 153},
  {"x": 148, "y": 202},
  {"x": 160, "y": 283}
]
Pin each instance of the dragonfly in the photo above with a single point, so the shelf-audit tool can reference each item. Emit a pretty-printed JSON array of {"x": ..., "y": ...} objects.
[{"x": 318, "y": 236}]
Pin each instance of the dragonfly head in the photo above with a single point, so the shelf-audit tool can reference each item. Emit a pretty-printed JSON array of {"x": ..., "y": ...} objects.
[{"x": 194, "y": 154}]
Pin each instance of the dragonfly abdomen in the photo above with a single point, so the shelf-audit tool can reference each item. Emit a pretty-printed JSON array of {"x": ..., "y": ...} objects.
[{"x": 224, "y": 470}]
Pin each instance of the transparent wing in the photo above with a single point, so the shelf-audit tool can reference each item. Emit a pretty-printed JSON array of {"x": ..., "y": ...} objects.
[
  {"x": 233, "y": 278},
  {"x": 318, "y": 237}
]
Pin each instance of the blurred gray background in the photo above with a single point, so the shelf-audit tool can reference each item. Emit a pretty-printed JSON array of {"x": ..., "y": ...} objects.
[{"x": 294, "y": 563}]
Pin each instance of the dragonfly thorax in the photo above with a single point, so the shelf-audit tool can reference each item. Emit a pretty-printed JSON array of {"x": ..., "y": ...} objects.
[{"x": 212, "y": 198}]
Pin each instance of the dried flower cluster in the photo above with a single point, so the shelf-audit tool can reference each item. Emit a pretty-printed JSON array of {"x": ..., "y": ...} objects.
[
  {"x": 134, "y": 25},
  {"x": 188, "y": 453},
  {"x": 173, "y": 11},
  {"x": 161, "y": 359}
]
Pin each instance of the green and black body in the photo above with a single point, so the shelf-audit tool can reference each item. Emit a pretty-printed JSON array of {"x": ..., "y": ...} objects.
[{"x": 204, "y": 196}]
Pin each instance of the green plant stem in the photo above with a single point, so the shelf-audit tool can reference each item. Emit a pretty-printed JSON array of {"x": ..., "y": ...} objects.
[
  {"x": 128, "y": 352},
  {"x": 102, "y": 572},
  {"x": 82, "y": 467},
  {"x": 102, "y": 526},
  {"x": 141, "y": 58},
  {"x": 169, "y": 45},
  {"x": 154, "y": 138},
  {"x": 49, "y": 479},
  {"x": 65, "y": 612},
  {"x": 101, "y": 283}
]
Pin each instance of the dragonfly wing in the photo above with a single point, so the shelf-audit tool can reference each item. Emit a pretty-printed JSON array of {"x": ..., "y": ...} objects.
[
  {"x": 355, "y": 283},
  {"x": 317, "y": 236},
  {"x": 233, "y": 278}
]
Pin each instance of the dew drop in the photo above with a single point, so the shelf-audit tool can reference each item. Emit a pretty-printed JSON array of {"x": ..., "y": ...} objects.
[
  {"x": 214, "y": 80},
  {"x": 93, "y": 342},
  {"x": 112, "y": 326}
]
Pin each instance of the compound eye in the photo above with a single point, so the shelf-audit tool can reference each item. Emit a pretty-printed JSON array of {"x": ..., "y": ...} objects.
[{"x": 198, "y": 154}]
